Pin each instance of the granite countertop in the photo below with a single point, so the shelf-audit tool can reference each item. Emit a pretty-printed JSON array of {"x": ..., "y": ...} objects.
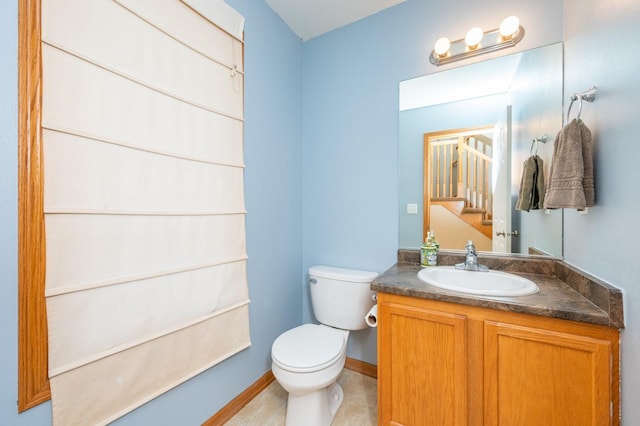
[{"x": 564, "y": 292}]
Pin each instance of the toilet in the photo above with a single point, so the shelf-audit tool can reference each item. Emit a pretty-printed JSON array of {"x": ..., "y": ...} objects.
[{"x": 307, "y": 359}]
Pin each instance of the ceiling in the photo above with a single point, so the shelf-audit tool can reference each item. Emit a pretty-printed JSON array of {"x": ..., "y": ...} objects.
[{"x": 311, "y": 18}]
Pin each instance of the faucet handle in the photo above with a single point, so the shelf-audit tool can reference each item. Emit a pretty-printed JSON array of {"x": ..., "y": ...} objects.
[{"x": 471, "y": 260}]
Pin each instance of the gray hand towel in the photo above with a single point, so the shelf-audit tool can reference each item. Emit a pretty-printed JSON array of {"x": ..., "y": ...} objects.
[
  {"x": 571, "y": 183},
  {"x": 531, "y": 195},
  {"x": 588, "y": 182}
]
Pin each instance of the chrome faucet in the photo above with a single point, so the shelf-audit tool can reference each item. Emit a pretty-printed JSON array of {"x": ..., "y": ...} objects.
[{"x": 471, "y": 260}]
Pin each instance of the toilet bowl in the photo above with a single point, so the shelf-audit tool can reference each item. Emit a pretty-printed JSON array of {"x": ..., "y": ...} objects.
[
  {"x": 308, "y": 359},
  {"x": 306, "y": 362}
]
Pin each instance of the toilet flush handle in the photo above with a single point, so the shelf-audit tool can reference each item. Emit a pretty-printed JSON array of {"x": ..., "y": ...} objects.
[{"x": 313, "y": 281}]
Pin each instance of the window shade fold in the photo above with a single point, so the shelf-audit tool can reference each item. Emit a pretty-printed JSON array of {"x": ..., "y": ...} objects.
[
  {"x": 142, "y": 52},
  {"x": 96, "y": 321},
  {"x": 88, "y": 249},
  {"x": 79, "y": 175},
  {"x": 106, "y": 389},
  {"x": 84, "y": 99},
  {"x": 146, "y": 277}
]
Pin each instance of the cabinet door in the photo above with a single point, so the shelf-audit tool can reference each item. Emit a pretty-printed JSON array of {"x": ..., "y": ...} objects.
[
  {"x": 422, "y": 377},
  {"x": 540, "y": 377}
]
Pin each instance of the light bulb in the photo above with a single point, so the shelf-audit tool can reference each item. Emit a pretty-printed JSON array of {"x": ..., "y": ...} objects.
[
  {"x": 442, "y": 46},
  {"x": 509, "y": 27},
  {"x": 473, "y": 37}
]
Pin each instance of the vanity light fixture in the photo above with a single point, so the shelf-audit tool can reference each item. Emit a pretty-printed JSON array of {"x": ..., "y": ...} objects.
[{"x": 477, "y": 42}]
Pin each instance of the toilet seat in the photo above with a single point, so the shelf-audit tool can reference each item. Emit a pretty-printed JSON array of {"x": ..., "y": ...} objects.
[{"x": 308, "y": 348}]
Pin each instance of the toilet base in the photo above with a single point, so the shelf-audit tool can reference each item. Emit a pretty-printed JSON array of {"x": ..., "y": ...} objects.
[{"x": 315, "y": 408}]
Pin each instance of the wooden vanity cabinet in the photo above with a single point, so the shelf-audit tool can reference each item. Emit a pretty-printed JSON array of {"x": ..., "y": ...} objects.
[{"x": 443, "y": 364}]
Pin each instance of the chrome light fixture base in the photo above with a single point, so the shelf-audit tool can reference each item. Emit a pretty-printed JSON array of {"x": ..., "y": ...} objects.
[{"x": 491, "y": 41}]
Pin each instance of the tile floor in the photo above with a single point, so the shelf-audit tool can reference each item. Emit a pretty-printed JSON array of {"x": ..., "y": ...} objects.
[{"x": 359, "y": 408}]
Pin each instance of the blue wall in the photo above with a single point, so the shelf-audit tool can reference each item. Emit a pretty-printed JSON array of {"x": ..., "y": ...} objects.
[{"x": 600, "y": 41}]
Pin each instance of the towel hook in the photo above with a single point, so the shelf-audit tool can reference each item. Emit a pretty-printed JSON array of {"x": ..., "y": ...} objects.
[
  {"x": 588, "y": 95},
  {"x": 534, "y": 142}
]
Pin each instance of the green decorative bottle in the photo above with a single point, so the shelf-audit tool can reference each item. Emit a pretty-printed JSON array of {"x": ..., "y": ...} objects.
[{"x": 428, "y": 252}]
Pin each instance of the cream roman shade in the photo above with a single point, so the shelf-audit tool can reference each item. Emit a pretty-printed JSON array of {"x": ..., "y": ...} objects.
[{"x": 144, "y": 207}]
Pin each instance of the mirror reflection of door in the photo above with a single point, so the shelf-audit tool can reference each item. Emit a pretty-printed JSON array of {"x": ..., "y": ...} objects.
[
  {"x": 502, "y": 183},
  {"x": 459, "y": 187}
]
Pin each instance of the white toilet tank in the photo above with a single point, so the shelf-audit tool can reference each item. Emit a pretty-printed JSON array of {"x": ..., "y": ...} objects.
[{"x": 341, "y": 297}]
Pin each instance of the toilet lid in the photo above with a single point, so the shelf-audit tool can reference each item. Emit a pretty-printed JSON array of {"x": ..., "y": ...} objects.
[{"x": 309, "y": 347}]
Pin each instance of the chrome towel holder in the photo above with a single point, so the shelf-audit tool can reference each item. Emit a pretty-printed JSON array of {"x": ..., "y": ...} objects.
[
  {"x": 588, "y": 95},
  {"x": 534, "y": 143}
]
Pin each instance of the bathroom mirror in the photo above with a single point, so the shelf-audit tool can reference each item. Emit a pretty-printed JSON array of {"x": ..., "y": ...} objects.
[{"x": 518, "y": 98}]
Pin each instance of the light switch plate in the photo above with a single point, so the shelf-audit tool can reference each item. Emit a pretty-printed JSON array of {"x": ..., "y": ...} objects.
[{"x": 412, "y": 209}]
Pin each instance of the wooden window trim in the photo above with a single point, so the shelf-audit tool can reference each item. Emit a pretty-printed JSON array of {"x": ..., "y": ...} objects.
[{"x": 33, "y": 380}]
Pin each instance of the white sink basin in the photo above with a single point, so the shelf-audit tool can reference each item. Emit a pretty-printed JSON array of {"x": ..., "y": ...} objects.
[{"x": 491, "y": 283}]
